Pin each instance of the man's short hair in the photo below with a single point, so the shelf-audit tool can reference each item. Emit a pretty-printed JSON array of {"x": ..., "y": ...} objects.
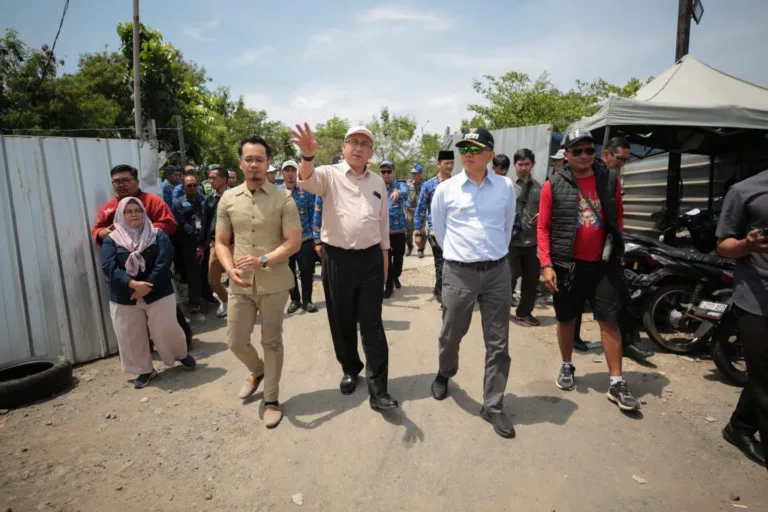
[
  {"x": 171, "y": 169},
  {"x": 190, "y": 176},
  {"x": 522, "y": 154},
  {"x": 124, "y": 168},
  {"x": 501, "y": 161},
  {"x": 616, "y": 143},
  {"x": 190, "y": 169},
  {"x": 221, "y": 172},
  {"x": 254, "y": 139}
]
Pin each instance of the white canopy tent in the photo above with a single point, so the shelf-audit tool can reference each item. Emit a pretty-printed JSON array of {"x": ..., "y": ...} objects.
[{"x": 690, "y": 107}]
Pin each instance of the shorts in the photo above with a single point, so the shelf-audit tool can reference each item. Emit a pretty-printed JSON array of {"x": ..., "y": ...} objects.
[{"x": 593, "y": 281}]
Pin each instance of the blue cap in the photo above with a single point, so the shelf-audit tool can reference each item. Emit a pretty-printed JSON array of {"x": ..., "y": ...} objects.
[
  {"x": 387, "y": 163},
  {"x": 417, "y": 169}
]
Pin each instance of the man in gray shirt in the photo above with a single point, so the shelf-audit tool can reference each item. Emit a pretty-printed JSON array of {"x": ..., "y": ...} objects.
[{"x": 742, "y": 234}]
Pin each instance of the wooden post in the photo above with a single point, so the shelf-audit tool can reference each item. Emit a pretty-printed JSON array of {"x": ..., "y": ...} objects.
[
  {"x": 182, "y": 147},
  {"x": 136, "y": 70}
]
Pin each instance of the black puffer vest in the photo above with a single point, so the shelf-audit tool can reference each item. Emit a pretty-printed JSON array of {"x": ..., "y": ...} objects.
[{"x": 565, "y": 211}]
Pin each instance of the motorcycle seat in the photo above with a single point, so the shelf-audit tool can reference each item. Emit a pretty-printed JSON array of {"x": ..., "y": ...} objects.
[{"x": 700, "y": 257}]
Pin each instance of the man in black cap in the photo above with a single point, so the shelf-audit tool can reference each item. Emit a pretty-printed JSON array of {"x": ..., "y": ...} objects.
[
  {"x": 424, "y": 217},
  {"x": 473, "y": 215},
  {"x": 580, "y": 248}
]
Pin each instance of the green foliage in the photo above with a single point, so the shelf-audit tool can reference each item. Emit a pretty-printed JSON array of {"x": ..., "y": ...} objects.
[
  {"x": 514, "y": 100},
  {"x": 330, "y": 137}
]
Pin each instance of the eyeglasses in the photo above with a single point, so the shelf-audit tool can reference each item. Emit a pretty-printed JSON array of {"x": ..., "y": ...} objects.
[
  {"x": 357, "y": 144},
  {"x": 582, "y": 151},
  {"x": 121, "y": 181},
  {"x": 132, "y": 212},
  {"x": 472, "y": 150},
  {"x": 385, "y": 172},
  {"x": 622, "y": 160}
]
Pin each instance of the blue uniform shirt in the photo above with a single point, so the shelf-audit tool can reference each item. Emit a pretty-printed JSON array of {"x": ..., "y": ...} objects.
[
  {"x": 424, "y": 206},
  {"x": 317, "y": 219},
  {"x": 168, "y": 194},
  {"x": 397, "y": 221},
  {"x": 178, "y": 191},
  {"x": 305, "y": 203},
  {"x": 474, "y": 222}
]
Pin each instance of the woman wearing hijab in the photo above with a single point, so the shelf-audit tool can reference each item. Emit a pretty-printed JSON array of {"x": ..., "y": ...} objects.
[{"x": 136, "y": 258}]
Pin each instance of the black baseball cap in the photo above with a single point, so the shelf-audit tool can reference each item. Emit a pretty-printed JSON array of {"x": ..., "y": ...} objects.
[
  {"x": 479, "y": 137},
  {"x": 577, "y": 135}
]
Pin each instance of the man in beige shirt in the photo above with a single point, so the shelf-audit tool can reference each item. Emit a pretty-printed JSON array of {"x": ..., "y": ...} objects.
[
  {"x": 267, "y": 230},
  {"x": 355, "y": 235}
]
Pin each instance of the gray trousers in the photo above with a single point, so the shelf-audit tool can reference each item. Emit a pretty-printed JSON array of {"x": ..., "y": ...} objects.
[{"x": 462, "y": 287}]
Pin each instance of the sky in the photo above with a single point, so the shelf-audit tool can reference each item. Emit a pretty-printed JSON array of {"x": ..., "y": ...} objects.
[{"x": 309, "y": 60}]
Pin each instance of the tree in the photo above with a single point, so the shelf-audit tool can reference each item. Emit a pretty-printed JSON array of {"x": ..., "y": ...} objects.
[
  {"x": 330, "y": 137},
  {"x": 515, "y": 100},
  {"x": 395, "y": 140}
]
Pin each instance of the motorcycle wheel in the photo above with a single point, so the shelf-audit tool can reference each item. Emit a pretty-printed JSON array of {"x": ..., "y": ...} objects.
[
  {"x": 657, "y": 319},
  {"x": 728, "y": 356}
]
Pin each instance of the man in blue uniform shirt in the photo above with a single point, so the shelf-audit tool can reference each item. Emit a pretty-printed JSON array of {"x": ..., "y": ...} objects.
[
  {"x": 305, "y": 258},
  {"x": 473, "y": 214},
  {"x": 423, "y": 218},
  {"x": 398, "y": 225}
]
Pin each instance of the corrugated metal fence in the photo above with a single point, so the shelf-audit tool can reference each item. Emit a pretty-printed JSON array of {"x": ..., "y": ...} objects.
[
  {"x": 54, "y": 296},
  {"x": 507, "y": 141}
]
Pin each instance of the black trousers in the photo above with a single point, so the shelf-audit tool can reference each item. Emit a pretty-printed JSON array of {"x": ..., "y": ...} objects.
[
  {"x": 305, "y": 261},
  {"x": 192, "y": 267},
  {"x": 524, "y": 263},
  {"x": 177, "y": 239},
  {"x": 396, "y": 256},
  {"x": 751, "y": 412},
  {"x": 437, "y": 254},
  {"x": 352, "y": 281}
]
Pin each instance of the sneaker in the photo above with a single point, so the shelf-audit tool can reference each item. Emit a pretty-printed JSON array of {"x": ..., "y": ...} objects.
[
  {"x": 250, "y": 386},
  {"x": 528, "y": 319},
  {"x": 580, "y": 345},
  {"x": 620, "y": 395},
  {"x": 409, "y": 251},
  {"x": 142, "y": 380},
  {"x": 421, "y": 254},
  {"x": 222, "y": 311},
  {"x": 188, "y": 362},
  {"x": 310, "y": 307},
  {"x": 293, "y": 307},
  {"x": 566, "y": 380},
  {"x": 211, "y": 300}
]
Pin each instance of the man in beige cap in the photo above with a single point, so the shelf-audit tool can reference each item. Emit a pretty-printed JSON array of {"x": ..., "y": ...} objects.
[
  {"x": 355, "y": 236},
  {"x": 265, "y": 223},
  {"x": 271, "y": 174}
]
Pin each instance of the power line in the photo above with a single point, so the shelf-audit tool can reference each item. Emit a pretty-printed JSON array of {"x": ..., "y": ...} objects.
[
  {"x": 50, "y": 56},
  {"x": 65, "y": 130}
]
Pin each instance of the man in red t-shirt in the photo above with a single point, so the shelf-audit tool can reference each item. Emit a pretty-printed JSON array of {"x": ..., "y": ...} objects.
[{"x": 580, "y": 246}]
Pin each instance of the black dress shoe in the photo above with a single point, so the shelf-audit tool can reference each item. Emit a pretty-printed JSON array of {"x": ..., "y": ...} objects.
[
  {"x": 293, "y": 307},
  {"x": 348, "y": 384},
  {"x": 383, "y": 402},
  {"x": 310, "y": 307},
  {"x": 580, "y": 345},
  {"x": 388, "y": 293},
  {"x": 440, "y": 388},
  {"x": 745, "y": 442},
  {"x": 397, "y": 284},
  {"x": 501, "y": 424},
  {"x": 636, "y": 353}
]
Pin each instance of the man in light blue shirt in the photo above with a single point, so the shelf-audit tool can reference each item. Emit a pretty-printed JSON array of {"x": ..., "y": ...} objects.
[{"x": 473, "y": 214}]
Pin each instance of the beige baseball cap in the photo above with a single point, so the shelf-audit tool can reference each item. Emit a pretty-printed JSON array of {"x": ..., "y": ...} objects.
[{"x": 360, "y": 130}]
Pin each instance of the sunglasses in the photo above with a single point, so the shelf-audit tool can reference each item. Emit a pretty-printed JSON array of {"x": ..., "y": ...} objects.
[
  {"x": 472, "y": 150},
  {"x": 191, "y": 185},
  {"x": 620, "y": 159},
  {"x": 582, "y": 151},
  {"x": 385, "y": 172}
]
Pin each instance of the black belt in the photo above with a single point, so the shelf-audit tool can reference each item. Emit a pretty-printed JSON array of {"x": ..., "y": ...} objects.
[{"x": 480, "y": 265}]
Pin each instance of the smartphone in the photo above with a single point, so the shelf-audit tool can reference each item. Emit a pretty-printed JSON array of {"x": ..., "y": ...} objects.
[{"x": 764, "y": 232}]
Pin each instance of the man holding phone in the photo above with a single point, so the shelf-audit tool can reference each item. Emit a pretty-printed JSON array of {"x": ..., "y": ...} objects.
[{"x": 742, "y": 233}]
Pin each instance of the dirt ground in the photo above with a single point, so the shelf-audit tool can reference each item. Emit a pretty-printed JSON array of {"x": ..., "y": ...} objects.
[{"x": 187, "y": 441}]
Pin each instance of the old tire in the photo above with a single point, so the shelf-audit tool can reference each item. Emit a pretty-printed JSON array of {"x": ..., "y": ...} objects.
[{"x": 33, "y": 379}]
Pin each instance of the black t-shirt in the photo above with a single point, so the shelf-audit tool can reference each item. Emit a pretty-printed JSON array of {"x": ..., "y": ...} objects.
[{"x": 746, "y": 208}]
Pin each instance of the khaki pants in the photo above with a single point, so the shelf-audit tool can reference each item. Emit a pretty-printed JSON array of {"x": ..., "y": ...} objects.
[
  {"x": 215, "y": 271},
  {"x": 240, "y": 321},
  {"x": 131, "y": 323}
]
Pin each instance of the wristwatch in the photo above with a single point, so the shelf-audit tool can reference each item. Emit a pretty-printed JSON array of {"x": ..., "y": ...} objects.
[
  {"x": 545, "y": 266},
  {"x": 263, "y": 261},
  {"x": 307, "y": 158}
]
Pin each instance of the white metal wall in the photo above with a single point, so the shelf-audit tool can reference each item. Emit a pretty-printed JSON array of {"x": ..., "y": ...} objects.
[
  {"x": 507, "y": 141},
  {"x": 54, "y": 295}
]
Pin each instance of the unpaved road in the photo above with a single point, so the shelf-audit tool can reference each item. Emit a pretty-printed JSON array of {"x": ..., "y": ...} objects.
[{"x": 193, "y": 444}]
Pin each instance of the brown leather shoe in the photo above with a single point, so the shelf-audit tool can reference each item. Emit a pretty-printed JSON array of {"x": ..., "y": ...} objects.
[
  {"x": 272, "y": 416},
  {"x": 250, "y": 386}
]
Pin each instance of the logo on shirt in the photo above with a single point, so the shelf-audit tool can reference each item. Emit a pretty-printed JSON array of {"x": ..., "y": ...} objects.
[{"x": 586, "y": 217}]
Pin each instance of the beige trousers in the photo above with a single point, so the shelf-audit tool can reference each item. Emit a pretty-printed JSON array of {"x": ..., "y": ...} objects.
[
  {"x": 131, "y": 323},
  {"x": 241, "y": 318},
  {"x": 215, "y": 271}
]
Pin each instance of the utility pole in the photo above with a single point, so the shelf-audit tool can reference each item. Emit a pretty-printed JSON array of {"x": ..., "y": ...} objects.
[
  {"x": 136, "y": 69},
  {"x": 684, "y": 15},
  {"x": 182, "y": 148}
]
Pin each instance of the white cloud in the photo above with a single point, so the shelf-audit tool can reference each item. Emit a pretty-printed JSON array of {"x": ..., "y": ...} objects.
[
  {"x": 198, "y": 33},
  {"x": 253, "y": 55},
  {"x": 428, "y": 20}
]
